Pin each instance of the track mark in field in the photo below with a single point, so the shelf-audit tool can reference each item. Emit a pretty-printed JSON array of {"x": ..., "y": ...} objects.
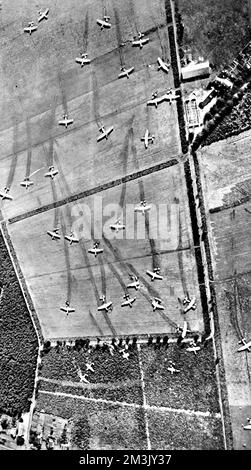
[
  {"x": 102, "y": 273},
  {"x": 234, "y": 307},
  {"x": 65, "y": 188},
  {"x": 14, "y": 155},
  {"x": 155, "y": 258},
  {"x": 49, "y": 162},
  {"x": 97, "y": 189},
  {"x": 104, "y": 7},
  {"x": 180, "y": 258},
  {"x": 109, "y": 323},
  {"x": 80, "y": 33},
  {"x": 119, "y": 36},
  {"x": 67, "y": 260},
  {"x": 50, "y": 159},
  {"x": 62, "y": 91},
  {"x": 118, "y": 277},
  {"x": 94, "y": 285},
  {"x": 95, "y": 323},
  {"x": 95, "y": 98},
  {"x": 132, "y": 15},
  {"x": 130, "y": 269},
  {"x": 29, "y": 147},
  {"x": 152, "y": 292},
  {"x": 164, "y": 45},
  {"x": 84, "y": 252},
  {"x": 163, "y": 42},
  {"x": 87, "y": 264},
  {"x": 86, "y": 31},
  {"x": 124, "y": 153}
]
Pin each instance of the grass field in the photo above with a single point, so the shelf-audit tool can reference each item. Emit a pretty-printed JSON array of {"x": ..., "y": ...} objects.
[
  {"x": 119, "y": 171},
  {"x": 227, "y": 192},
  {"x": 71, "y": 272}
]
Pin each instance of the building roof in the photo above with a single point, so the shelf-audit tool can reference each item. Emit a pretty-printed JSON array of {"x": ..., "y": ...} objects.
[{"x": 195, "y": 69}]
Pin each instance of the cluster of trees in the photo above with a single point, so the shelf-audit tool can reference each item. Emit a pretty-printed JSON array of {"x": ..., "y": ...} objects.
[
  {"x": 18, "y": 342},
  {"x": 238, "y": 120},
  {"x": 81, "y": 433},
  {"x": 219, "y": 124},
  {"x": 168, "y": 11}
]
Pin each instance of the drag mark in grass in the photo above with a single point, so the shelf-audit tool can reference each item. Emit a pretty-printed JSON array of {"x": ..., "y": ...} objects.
[
  {"x": 95, "y": 99},
  {"x": 95, "y": 323},
  {"x": 102, "y": 272},
  {"x": 67, "y": 260},
  {"x": 117, "y": 275},
  {"x": 62, "y": 91},
  {"x": 87, "y": 263},
  {"x": 29, "y": 148},
  {"x": 155, "y": 260},
  {"x": 119, "y": 37},
  {"x": 130, "y": 269},
  {"x": 94, "y": 285},
  {"x": 86, "y": 32},
  {"x": 14, "y": 155},
  {"x": 180, "y": 259},
  {"x": 124, "y": 156}
]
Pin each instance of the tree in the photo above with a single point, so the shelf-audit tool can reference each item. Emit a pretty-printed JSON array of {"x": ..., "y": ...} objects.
[
  {"x": 81, "y": 433},
  {"x": 20, "y": 441},
  {"x": 63, "y": 439},
  {"x": 4, "y": 423}
]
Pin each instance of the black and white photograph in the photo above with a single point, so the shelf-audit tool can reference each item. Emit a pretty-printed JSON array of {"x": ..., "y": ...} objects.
[{"x": 125, "y": 230}]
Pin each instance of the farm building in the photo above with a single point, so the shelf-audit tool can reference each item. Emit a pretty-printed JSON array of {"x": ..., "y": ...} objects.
[{"x": 194, "y": 70}]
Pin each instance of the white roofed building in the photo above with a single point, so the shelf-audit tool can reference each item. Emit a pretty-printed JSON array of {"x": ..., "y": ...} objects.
[{"x": 195, "y": 70}]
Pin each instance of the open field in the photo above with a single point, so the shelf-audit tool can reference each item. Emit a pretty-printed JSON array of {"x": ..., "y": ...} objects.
[
  {"x": 73, "y": 273},
  {"x": 119, "y": 171},
  {"x": 227, "y": 192},
  {"x": 92, "y": 96}
]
